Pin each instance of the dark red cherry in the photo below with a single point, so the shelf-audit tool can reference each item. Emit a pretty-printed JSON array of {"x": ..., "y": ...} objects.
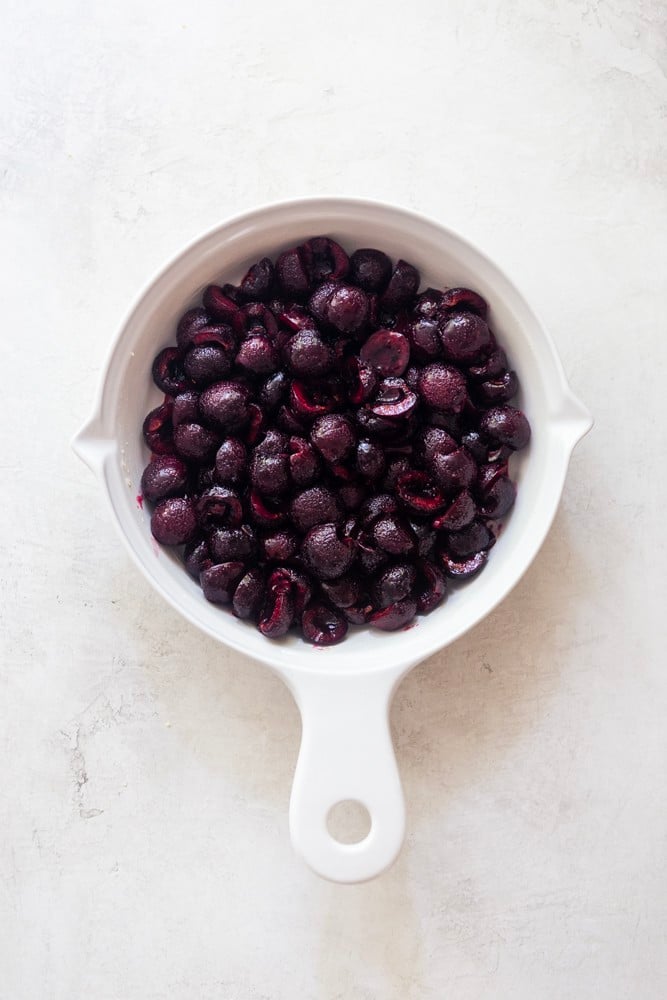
[
  {"x": 393, "y": 535},
  {"x": 307, "y": 354},
  {"x": 323, "y": 625},
  {"x": 387, "y": 352},
  {"x": 257, "y": 283},
  {"x": 431, "y": 588},
  {"x": 230, "y": 462},
  {"x": 506, "y": 425},
  {"x": 393, "y": 399},
  {"x": 465, "y": 338},
  {"x": 225, "y": 404},
  {"x": 195, "y": 442},
  {"x": 428, "y": 304},
  {"x": 402, "y": 287},
  {"x": 498, "y": 498},
  {"x": 492, "y": 366},
  {"x": 258, "y": 318},
  {"x": 274, "y": 391},
  {"x": 189, "y": 323},
  {"x": 279, "y": 546},
  {"x": 186, "y": 408},
  {"x": 497, "y": 390},
  {"x": 277, "y": 615},
  {"x": 424, "y": 337},
  {"x": 393, "y": 583},
  {"x": 333, "y": 436},
  {"x": 258, "y": 355},
  {"x": 249, "y": 595},
  {"x": 361, "y": 380},
  {"x": 326, "y": 260},
  {"x": 463, "y": 298},
  {"x": 370, "y": 269},
  {"x": 165, "y": 476},
  {"x": 417, "y": 491},
  {"x": 295, "y": 318},
  {"x": 475, "y": 538},
  {"x": 316, "y": 505},
  {"x": 376, "y": 506},
  {"x": 370, "y": 460},
  {"x": 168, "y": 373},
  {"x": 443, "y": 388},
  {"x": 304, "y": 465},
  {"x": 310, "y": 401},
  {"x": 291, "y": 274},
  {"x": 218, "y": 305},
  {"x": 344, "y": 592},
  {"x": 455, "y": 470},
  {"x": 228, "y": 544},
  {"x": 459, "y": 514},
  {"x": 344, "y": 308},
  {"x": 219, "y": 507},
  {"x": 173, "y": 522},
  {"x": 206, "y": 364},
  {"x": 197, "y": 556},
  {"x": 431, "y": 441},
  {"x": 396, "y": 616},
  {"x": 300, "y": 584},
  {"x": 158, "y": 429},
  {"x": 265, "y": 512},
  {"x": 327, "y": 553},
  {"x": 219, "y": 581},
  {"x": 463, "y": 569}
]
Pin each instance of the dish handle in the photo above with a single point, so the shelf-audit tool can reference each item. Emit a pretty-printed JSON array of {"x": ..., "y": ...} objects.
[{"x": 346, "y": 754}]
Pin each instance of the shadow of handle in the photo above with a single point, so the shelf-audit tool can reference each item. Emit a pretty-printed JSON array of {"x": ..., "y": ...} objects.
[{"x": 346, "y": 754}]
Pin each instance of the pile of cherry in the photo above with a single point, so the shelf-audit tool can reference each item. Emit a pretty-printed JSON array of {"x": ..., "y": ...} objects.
[{"x": 332, "y": 445}]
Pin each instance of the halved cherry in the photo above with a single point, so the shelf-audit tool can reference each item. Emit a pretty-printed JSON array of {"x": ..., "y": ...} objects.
[
  {"x": 300, "y": 584},
  {"x": 361, "y": 380},
  {"x": 158, "y": 429},
  {"x": 431, "y": 586},
  {"x": 396, "y": 616},
  {"x": 325, "y": 260},
  {"x": 256, "y": 284},
  {"x": 387, "y": 352},
  {"x": 460, "y": 513},
  {"x": 264, "y": 512},
  {"x": 189, "y": 323},
  {"x": 323, "y": 625},
  {"x": 310, "y": 401},
  {"x": 219, "y": 507},
  {"x": 218, "y": 304},
  {"x": 464, "y": 298},
  {"x": 278, "y": 612},
  {"x": 393, "y": 399},
  {"x": 417, "y": 491},
  {"x": 463, "y": 569},
  {"x": 168, "y": 373}
]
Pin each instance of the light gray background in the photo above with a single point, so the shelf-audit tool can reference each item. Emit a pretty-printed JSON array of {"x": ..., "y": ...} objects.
[{"x": 145, "y": 770}]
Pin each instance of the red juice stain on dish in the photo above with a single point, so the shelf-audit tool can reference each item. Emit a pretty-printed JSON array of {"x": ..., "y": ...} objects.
[
  {"x": 333, "y": 445},
  {"x": 140, "y": 501}
]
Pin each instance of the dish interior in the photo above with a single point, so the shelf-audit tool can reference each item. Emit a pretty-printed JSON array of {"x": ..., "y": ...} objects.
[{"x": 444, "y": 259}]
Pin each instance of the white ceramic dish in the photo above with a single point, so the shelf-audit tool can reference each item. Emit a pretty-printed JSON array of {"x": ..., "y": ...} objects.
[{"x": 344, "y": 692}]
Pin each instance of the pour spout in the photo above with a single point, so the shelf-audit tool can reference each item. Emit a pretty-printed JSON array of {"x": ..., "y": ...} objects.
[
  {"x": 91, "y": 444},
  {"x": 576, "y": 417}
]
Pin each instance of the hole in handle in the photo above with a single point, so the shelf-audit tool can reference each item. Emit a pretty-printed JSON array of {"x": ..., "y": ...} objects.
[{"x": 349, "y": 822}]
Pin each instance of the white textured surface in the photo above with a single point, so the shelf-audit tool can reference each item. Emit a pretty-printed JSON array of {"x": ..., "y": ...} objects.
[{"x": 146, "y": 771}]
